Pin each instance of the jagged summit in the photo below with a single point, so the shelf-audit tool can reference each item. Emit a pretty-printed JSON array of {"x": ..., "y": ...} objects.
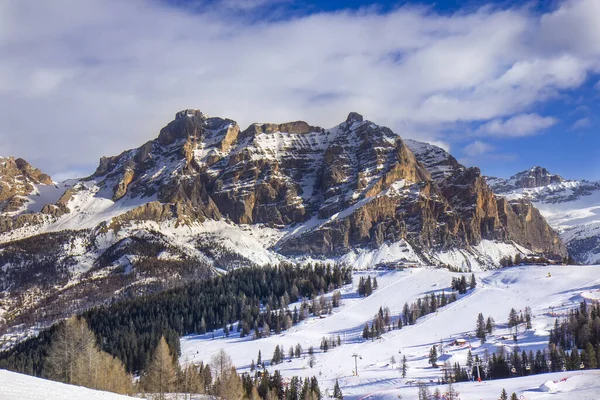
[
  {"x": 18, "y": 179},
  {"x": 354, "y": 117},
  {"x": 535, "y": 177},
  {"x": 361, "y": 182}
]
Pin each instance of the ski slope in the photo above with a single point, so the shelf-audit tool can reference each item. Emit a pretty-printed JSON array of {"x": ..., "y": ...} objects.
[
  {"x": 15, "y": 386},
  {"x": 496, "y": 293}
]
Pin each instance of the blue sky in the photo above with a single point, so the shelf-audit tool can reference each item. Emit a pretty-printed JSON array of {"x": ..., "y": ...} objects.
[{"x": 504, "y": 85}]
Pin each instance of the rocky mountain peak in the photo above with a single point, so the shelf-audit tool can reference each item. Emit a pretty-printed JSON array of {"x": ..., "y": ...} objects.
[
  {"x": 535, "y": 177},
  {"x": 354, "y": 117},
  {"x": 190, "y": 113},
  {"x": 17, "y": 180}
]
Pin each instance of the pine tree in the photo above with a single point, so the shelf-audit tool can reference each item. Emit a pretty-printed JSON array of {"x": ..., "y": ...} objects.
[
  {"x": 276, "y": 359},
  {"x": 337, "y": 392},
  {"x": 489, "y": 326},
  {"x": 503, "y": 395},
  {"x": 259, "y": 359},
  {"x": 469, "y": 359},
  {"x": 480, "y": 329},
  {"x": 366, "y": 334},
  {"x": 404, "y": 366},
  {"x": 528, "y": 318},
  {"x": 473, "y": 282},
  {"x": 368, "y": 286},
  {"x": 514, "y": 396},
  {"x": 433, "y": 357},
  {"x": 160, "y": 377}
]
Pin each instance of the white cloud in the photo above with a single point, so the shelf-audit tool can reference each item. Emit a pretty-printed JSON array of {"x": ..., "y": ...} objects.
[
  {"x": 83, "y": 79},
  {"x": 582, "y": 123},
  {"x": 520, "y": 125},
  {"x": 477, "y": 148}
]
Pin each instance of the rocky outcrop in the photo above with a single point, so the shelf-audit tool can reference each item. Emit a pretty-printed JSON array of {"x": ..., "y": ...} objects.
[
  {"x": 536, "y": 177},
  {"x": 17, "y": 178},
  {"x": 527, "y": 227}
]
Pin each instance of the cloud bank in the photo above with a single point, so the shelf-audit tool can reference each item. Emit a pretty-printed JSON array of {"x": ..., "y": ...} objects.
[{"x": 83, "y": 79}]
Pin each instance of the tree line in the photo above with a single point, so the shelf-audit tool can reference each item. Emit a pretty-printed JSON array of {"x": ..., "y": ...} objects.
[{"x": 131, "y": 329}]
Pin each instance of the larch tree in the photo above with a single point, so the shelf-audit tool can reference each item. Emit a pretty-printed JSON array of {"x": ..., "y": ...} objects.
[
  {"x": 161, "y": 375},
  {"x": 74, "y": 358},
  {"x": 221, "y": 364}
]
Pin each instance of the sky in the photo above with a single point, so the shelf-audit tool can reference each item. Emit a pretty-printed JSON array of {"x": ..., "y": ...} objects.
[{"x": 503, "y": 85}]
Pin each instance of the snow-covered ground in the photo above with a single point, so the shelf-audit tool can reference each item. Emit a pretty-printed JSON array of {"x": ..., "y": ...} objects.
[
  {"x": 15, "y": 386},
  {"x": 546, "y": 289}
]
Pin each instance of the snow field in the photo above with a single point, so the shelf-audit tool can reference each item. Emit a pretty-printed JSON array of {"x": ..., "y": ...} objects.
[
  {"x": 15, "y": 386},
  {"x": 496, "y": 293}
]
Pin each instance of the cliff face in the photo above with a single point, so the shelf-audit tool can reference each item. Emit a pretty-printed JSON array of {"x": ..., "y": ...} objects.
[{"x": 356, "y": 185}]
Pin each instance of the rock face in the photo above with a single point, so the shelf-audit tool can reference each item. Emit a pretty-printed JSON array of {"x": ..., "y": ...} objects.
[
  {"x": 17, "y": 179},
  {"x": 360, "y": 183},
  {"x": 571, "y": 207}
]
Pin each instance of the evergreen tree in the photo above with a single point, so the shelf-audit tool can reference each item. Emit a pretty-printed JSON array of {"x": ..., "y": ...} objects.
[
  {"x": 480, "y": 330},
  {"x": 513, "y": 318},
  {"x": 337, "y": 392},
  {"x": 503, "y": 395},
  {"x": 368, "y": 286},
  {"x": 259, "y": 359},
  {"x": 404, "y": 366},
  {"x": 433, "y": 357},
  {"x": 276, "y": 359},
  {"x": 528, "y": 318},
  {"x": 489, "y": 326},
  {"x": 473, "y": 283},
  {"x": 514, "y": 396}
]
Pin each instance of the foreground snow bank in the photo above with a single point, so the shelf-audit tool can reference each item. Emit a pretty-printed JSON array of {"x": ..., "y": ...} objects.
[
  {"x": 15, "y": 386},
  {"x": 548, "y": 386}
]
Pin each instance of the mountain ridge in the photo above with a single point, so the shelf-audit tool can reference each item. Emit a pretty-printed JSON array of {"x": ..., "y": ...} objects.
[{"x": 205, "y": 196}]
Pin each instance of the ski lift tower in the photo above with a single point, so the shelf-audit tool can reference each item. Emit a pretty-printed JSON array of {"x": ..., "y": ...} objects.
[
  {"x": 355, "y": 355},
  {"x": 478, "y": 364}
]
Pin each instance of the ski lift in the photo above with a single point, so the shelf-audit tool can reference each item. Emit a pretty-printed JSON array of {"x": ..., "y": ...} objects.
[
  {"x": 528, "y": 367},
  {"x": 513, "y": 370},
  {"x": 581, "y": 366}
]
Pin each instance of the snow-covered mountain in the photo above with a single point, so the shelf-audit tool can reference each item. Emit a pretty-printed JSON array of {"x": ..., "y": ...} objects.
[
  {"x": 206, "y": 196},
  {"x": 572, "y": 207}
]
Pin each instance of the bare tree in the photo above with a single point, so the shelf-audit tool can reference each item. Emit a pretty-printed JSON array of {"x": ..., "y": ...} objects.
[{"x": 160, "y": 377}]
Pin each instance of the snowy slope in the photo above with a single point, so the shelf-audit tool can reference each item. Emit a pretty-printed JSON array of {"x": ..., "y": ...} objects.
[
  {"x": 15, "y": 386},
  {"x": 497, "y": 292},
  {"x": 572, "y": 207}
]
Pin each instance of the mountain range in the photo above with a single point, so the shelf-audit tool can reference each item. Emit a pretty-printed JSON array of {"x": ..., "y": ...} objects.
[{"x": 206, "y": 196}]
